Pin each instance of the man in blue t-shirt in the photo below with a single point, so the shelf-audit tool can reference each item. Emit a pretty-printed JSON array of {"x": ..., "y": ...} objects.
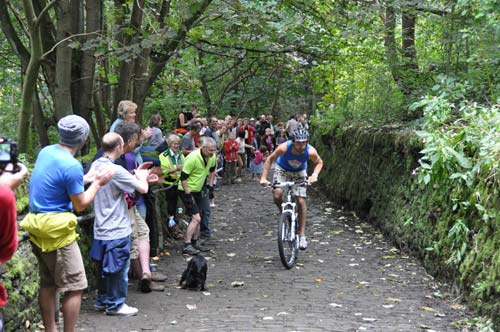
[
  {"x": 291, "y": 165},
  {"x": 56, "y": 188}
]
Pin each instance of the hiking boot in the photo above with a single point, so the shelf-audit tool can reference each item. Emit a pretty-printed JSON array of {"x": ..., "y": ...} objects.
[
  {"x": 190, "y": 250},
  {"x": 157, "y": 276},
  {"x": 200, "y": 247},
  {"x": 156, "y": 287},
  {"x": 302, "y": 243},
  {"x": 145, "y": 283},
  {"x": 124, "y": 310}
]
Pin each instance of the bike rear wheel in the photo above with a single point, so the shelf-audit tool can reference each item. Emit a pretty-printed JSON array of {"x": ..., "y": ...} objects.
[{"x": 287, "y": 244}]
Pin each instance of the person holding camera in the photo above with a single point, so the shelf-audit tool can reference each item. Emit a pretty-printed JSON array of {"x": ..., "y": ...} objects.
[
  {"x": 56, "y": 188},
  {"x": 12, "y": 174}
]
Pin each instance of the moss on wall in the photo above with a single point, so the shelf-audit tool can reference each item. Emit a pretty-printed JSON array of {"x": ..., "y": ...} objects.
[{"x": 370, "y": 171}]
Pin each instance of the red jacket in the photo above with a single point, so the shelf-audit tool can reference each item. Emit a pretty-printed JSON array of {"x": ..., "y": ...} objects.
[
  {"x": 231, "y": 151},
  {"x": 8, "y": 231},
  {"x": 249, "y": 133}
]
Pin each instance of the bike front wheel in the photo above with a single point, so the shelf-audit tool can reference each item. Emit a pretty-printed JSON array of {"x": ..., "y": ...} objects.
[{"x": 287, "y": 241}]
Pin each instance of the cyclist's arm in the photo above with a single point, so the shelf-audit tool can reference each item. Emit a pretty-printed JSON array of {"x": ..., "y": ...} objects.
[
  {"x": 318, "y": 162},
  {"x": 280, "y": 150}
]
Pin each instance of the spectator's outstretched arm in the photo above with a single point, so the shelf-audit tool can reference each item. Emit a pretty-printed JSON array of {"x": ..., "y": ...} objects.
[
  {"x": 82, "y": 200},
  {"x": 13, "y": 180}
]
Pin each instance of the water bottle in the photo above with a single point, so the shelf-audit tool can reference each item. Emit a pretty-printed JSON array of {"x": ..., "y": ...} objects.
[{"x": 171, "y": 222}]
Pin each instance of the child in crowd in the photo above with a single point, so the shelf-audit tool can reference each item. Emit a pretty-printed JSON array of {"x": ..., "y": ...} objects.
[
  {"x": 260, "y": 156},
  {"x": 281, "y": 137},
  {"x": 231, "y": 148},
  {"x": 268, "y": 140},
  {"x": 242, "y": 154}
]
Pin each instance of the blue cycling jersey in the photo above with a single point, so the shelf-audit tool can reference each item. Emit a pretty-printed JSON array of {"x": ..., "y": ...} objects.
[{"x": 291, "y": 162}]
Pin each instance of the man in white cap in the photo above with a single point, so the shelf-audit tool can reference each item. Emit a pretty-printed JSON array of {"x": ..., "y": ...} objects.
[{"x": 56, "y": 188}]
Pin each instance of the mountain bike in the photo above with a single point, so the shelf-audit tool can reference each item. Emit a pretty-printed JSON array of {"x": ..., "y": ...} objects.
[{"x": 288, "y": 227}]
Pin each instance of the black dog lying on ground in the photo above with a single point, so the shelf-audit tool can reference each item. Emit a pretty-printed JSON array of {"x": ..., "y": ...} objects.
[{"x": 195, "y": 275}]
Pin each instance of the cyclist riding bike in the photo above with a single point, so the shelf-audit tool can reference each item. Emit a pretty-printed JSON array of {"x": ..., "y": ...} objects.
[{"x": 291, "y": 165}]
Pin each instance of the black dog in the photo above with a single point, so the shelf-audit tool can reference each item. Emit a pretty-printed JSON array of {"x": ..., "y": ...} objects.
[{"x": 195, "y": 275}]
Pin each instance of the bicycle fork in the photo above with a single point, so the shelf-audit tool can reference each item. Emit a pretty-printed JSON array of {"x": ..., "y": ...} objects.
[{"x": 290, "y": 207}]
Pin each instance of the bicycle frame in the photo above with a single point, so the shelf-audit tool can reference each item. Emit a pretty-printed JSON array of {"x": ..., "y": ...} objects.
[{"x": 290, "y": 205}]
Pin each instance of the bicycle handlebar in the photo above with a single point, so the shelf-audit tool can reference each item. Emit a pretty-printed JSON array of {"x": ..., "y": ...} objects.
[{"x": 289, "y": 184}]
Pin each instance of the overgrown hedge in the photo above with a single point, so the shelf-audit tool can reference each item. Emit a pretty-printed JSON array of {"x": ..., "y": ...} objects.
[{"x": 372, "y": 171}]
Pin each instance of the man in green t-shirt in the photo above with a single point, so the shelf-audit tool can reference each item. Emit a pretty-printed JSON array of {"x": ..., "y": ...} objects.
[{"x": 197, "y": 166}]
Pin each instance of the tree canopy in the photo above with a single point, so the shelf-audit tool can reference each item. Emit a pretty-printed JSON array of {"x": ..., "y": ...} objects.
[{"x": 341, "y": 61}]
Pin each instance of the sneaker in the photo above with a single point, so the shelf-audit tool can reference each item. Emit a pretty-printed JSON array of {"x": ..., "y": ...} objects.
[
  {"x": 124, "y": 310},
  {"x": 157, "y": 276},
  {"x": 190, "y": 250},
  {"x": 200, "y": 247},
  {"x": 99, "y": 307},
  {"x": 145, "y": 283},
  {"x": 303, "y": 243}
]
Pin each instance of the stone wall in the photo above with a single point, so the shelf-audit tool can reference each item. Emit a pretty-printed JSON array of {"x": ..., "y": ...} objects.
[{"x": 370, "y": 171}]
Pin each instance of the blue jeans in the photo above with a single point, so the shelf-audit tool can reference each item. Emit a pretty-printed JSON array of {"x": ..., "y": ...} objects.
[
  {"x": 112, "y": 289},
  {"x": 204, "y": 207}
]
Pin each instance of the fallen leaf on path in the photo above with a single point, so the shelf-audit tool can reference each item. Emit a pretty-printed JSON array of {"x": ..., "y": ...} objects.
[
  {"x": 392, "y": 299},
  {"x": 321, "y": 261},
  {"x": 423, "y": 326},
  {"x": 206, "y": 293},
  {"x": 231, "y": 254},
  {"x": 268, "y": 318},
  {"x": 429, "y": 309},
  {"x": 388, "y": 306},
  {"x": 335, "y": 305},
  {"x": 237, "y": 283},
  {"x": 191, "y": 306},
  {"x": 283, "y": 313},
  {"x": 318, "y": 280},
  {"x": 370, "y": 320}
]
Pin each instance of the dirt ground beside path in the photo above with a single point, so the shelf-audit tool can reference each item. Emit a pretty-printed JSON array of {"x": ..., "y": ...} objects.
[{"x": 349, "y": 279}]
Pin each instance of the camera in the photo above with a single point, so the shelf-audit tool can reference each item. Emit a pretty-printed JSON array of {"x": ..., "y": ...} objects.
[{"x": 8, "y": 155}]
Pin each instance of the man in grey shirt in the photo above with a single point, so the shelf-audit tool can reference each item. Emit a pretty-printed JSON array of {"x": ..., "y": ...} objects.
[
  {"x": 187, "y": 144},
  {"x": 112, "y": 228}
]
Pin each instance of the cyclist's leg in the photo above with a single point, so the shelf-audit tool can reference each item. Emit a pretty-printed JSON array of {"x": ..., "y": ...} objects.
[
  {"x": 278, "y": 177},
  {"x": 278, "y": 198},
  {"x": 301, "y": 203},
  {"x": 300, "y": 195}
]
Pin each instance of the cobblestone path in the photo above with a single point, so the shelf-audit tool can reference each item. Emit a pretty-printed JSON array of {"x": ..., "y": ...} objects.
[{"x": 349, "y": 279}]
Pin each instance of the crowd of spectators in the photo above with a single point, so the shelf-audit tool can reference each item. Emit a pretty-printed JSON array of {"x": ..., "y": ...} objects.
[{"x": 190, "y": 161}]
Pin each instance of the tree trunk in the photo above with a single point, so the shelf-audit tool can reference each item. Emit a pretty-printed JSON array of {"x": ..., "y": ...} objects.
[
  {"x": 408, "y": 50},
  {"x": 62, "y": 99},
  {"x": 39, "y": 121},
  {"x": 87, "y": 64},
  {"x": 204, "y": 85},
  {"x": 123, "y": 91},
  {"x": 29, "y": 85},
  {"x": 390, "y": 40}
]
